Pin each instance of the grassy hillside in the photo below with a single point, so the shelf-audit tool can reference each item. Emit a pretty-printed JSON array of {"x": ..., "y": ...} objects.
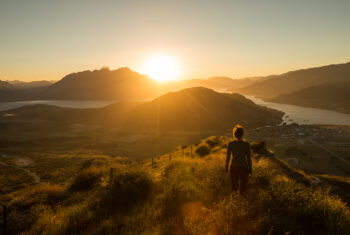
[
  {"x": 179, "y": 195},
  {"x": 296, "y": 80},
  {"x": 333, "y": 96}
]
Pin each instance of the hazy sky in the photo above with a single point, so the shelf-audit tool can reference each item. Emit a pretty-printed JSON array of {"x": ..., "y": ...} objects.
[{"x": 47, "y": 39}]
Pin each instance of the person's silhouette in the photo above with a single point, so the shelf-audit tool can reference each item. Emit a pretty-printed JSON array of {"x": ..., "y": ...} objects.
[{"x": 241, "y": 164}]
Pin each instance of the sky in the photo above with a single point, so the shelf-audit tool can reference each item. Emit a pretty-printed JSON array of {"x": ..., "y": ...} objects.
[{"x": 48, "y": 39}]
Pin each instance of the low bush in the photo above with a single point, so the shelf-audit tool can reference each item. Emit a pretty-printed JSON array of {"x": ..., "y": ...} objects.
[
  {"x": 213, "y": 141},
  {"x": 202, "y": 149},
  {"x": 86, "y": 179},
  {"x": 259, "y": 148}
]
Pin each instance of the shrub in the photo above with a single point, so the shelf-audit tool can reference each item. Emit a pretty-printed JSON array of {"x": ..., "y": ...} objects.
[
  {"x": 126, "y": 189},
  {"x": 86, "y": 179},
  {"x": 259, "y": 148},
  {"x": 202, "y": 149},
  {"x": 213, "y": 141}
]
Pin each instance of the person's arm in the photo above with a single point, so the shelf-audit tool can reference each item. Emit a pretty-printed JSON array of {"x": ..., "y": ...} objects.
[
  {"x": 249, "y": 160},
  {"x": 228, "y": 156}
]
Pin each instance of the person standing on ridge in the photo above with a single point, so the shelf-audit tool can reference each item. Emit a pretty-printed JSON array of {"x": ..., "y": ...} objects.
[{"x": 241, "y": 163}]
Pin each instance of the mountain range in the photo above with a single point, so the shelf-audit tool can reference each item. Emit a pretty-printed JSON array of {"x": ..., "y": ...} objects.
[
  {"x": 124, "y": 84},
  {"x": 105, "y": 84}
]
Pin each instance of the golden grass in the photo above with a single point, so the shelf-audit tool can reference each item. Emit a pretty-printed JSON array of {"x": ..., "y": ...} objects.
[{"x": 188, "y": 196}]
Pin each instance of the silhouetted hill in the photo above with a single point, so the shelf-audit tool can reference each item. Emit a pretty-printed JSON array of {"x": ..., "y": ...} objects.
[
  {"x": 5, "y": 85},
  {"x": 334, "y": 96},
  {"x": 9, "y": 92},
  {"x": 200, "y": 109},
  {"x": 19, "y": 91},
  {"x": 103, "y": 84},
  {"x": 296, "y": 80},
  {"x": 33, "y": 84}
]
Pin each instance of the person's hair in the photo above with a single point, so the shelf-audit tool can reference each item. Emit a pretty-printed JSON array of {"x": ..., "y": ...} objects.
[{"x": 238, "y": 131}]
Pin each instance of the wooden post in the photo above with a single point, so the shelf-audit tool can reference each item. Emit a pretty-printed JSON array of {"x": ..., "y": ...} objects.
[
  {"x": 152, "y": 163},
  {"x": 4, "y": 211},
  {"x": 182, "y": 152},
  {"x": 169, "y": 157},
  {"x": 191, "y": 151}
]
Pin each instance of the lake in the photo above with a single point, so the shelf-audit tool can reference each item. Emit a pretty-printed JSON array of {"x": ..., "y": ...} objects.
[
  {"x": 305, "y": 115},
  {"x": 293, "y": 113}
]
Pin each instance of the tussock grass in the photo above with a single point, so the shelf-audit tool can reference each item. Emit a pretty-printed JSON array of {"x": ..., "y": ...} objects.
[
  {"x": 26, "y": 208},
  {"x": 126, "y": 189}
]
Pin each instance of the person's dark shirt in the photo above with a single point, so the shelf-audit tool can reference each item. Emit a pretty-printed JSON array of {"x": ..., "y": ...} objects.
[{"x": 240, "y": 151}]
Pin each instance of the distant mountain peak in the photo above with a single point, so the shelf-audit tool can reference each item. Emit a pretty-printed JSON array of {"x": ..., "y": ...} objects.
[
  {"x": 103, "y": 84},
  {"x": 6, "y": 85}
]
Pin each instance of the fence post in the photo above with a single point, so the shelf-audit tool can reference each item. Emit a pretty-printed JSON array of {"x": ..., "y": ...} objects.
[
  {"x": 152, "y": 162},
  {"x": 169, "y": 156},
  {"x": 4, "y": 211},
  {"x": 182, "y": 152},
  {"x": 191, "y": 151}
]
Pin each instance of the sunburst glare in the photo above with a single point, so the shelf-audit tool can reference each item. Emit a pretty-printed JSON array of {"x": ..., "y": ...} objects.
[{"x": 161, "y": 68}]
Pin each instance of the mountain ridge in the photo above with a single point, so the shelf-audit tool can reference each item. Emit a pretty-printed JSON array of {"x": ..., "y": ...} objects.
[
  {"x": 293, "y": 81},
  {"x": 333, "y": 96}
]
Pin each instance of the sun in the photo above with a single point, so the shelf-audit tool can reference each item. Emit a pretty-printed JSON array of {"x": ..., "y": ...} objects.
[{"x": 161, "y": 68}]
